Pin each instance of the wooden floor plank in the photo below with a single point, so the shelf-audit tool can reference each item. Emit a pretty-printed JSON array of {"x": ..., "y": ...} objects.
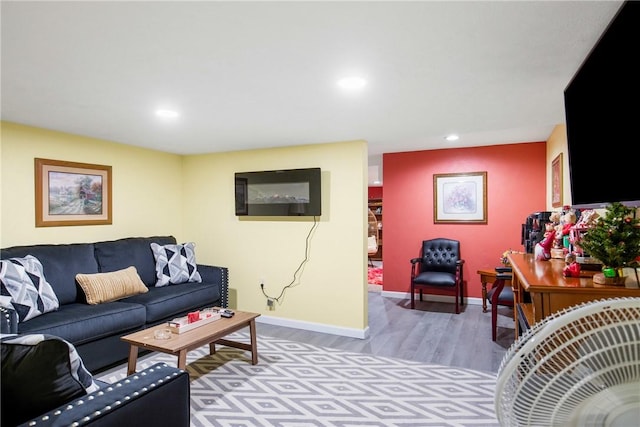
[{"x": 432, "y": 333}]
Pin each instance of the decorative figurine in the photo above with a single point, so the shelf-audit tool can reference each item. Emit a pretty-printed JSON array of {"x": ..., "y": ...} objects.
[
  {"x": 542, "y": 250},
  {"x": 572, "y": 268},
  {"x": 567, "y": 221}
]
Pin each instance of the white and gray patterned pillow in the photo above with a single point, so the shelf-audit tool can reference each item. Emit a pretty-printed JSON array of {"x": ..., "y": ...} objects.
[
  {"x": 23, "y": 280},
  {"x": 175, "y": 264}
]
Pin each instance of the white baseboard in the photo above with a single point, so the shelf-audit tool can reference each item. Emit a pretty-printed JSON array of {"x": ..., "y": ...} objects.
[
  {"x": 431, "y": 297},
  {"x": 315, "y": 327},
  {"x": 350, "y": 332}
]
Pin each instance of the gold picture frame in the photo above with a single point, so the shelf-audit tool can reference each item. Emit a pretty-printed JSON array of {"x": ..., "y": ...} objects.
[
  {"x": 460, "y": 198},
  {"x": 556, "y": 181},
  {"x": 69, "y": 193}
]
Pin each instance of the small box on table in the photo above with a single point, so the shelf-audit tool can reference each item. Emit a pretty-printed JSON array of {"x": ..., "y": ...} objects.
[{"x": 182, "y": 324}]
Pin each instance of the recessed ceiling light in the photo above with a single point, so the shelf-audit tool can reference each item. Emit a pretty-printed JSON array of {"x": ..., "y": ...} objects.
[
  {"x": 352, "y": 83},
  {"x": 167, "y": 114},
  {"x": 452, "y": 137}
]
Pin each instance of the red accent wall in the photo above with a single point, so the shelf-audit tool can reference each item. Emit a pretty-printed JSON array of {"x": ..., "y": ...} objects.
[{"x": 516, "y": 177}]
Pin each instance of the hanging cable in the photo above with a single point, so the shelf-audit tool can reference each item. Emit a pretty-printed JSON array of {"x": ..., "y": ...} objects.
[{"x": 293, "y": 283}]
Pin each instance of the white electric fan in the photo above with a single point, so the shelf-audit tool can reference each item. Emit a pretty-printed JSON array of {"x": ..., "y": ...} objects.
[{"x": 577, "y": 367}]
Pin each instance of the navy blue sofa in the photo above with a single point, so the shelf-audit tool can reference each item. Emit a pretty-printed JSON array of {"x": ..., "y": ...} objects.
[{"x": 95, "y": 330}]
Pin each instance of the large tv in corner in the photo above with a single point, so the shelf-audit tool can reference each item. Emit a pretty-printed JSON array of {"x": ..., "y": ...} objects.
[
  {"x": 603, "y": 117},
  {"x": 288, "y": 192}
]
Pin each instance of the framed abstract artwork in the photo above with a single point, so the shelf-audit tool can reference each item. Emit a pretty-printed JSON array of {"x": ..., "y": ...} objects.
[
  {"x": 69, "y": 193},
  {"x": 556, "y": 181},
  {"x": 460, "y": 198}
]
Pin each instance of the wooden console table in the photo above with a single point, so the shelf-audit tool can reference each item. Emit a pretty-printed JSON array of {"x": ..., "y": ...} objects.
[{"x": 550, "y": 291}]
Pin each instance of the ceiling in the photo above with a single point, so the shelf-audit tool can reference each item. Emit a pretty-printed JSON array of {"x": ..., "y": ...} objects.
[{"x": 247, "y": 75}]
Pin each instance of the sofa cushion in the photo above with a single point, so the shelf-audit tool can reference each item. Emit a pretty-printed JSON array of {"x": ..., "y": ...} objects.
[
  {"x": 105, "y": 287},
  {"x": 81, "y": 323},
  {"x": 168, "y": 302},
  {"x": 60, "y": 264},
  {"x": 40, "y": 372},
  {"x": 175, "y": 264},
  {"x": 131, "y": 251},
  {"x": 23, "y": 280}
]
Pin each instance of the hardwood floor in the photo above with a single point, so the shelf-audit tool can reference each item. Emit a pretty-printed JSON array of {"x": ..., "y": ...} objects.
[{"x": 432, "y": 333}]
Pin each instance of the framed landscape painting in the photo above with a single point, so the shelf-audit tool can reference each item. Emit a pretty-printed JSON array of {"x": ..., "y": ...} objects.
[
  {"x": 69, "y": 193},
  {"x": 460, "y": 198}
]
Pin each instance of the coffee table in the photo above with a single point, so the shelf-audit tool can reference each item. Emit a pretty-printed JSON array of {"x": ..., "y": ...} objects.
[{"x": 179, "y": 344}]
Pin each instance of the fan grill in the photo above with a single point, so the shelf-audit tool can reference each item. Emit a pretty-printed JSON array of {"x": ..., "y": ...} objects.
[{"x": 580, "y": 362}]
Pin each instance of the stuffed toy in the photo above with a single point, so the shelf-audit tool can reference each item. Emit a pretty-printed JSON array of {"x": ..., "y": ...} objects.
[
  {"x": 588, "y": 219},
  {"x": 542, "y": 250},
  {"x": 572, "y": 268},
  {"x": 555, "y": 217},
  {"x": 567, "y": 221}
]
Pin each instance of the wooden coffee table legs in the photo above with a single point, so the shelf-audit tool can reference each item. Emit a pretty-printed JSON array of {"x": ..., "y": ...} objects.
[
  {"x": 253, "y": 347},
  {"x": 189, "y": 344},
  {"x": 133, "y": 359}
]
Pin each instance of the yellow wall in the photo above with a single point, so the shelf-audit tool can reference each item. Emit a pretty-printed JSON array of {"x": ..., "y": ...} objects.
[
  {"x": 556, "y": 144},
  {"x": 147, "y": 187},
  {"x": 331, "y": 287},
  {"x": 192, "y": 198}
]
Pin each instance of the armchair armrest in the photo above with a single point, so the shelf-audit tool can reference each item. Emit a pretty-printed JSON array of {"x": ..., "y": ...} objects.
[
  {"x": 214, "y": 274},
  {"x": 459, "y": 270},
  {"x": 158, "y": 395},
  {"x": 415, "y": 267},
  {"x": 8, "y": 321}
]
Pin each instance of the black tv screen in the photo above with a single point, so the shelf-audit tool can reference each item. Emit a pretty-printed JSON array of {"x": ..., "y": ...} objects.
[
  {"x": 289, "y": 192},
  {"x": 603, "y": 117}
]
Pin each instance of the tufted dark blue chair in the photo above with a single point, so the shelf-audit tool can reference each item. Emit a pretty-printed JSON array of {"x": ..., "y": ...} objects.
[{"x": 439, "y": 268}]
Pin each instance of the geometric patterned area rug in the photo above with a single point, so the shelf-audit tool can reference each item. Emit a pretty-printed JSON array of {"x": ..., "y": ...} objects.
[{"x": 301, "y": 385}]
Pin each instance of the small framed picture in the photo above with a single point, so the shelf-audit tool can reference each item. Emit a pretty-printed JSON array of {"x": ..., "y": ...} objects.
[
  {"x": 460, "y": 198},
  {"x": 556, "y": 181},
  {"x": 69, "y": 193}
]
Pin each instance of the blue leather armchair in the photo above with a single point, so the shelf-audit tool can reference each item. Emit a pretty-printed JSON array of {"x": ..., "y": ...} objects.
[{"x": 439, "y": 269}]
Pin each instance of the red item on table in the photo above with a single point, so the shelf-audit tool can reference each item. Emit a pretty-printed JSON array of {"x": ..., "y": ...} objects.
[{"x": 572, "y": 270}]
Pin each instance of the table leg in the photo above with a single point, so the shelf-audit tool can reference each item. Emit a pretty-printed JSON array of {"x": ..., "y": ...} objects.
[
  {"x": 254, "y": 345},
  {"x": 212, "y": 348},
  {"x": 182, "y": 359},
  {"x": 484, "y": 296},
  {"x": 517, "y": 299},
  {"x": 133, "y": 359}
]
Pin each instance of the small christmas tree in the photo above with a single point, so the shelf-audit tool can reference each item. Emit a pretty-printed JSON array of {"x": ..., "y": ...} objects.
[{"x": 615, "y": 239}]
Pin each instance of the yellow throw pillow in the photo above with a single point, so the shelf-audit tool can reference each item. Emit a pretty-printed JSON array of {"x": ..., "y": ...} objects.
[{"x": 105, "y": 287}]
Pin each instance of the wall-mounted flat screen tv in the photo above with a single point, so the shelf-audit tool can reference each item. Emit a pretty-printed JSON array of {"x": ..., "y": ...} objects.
[
  {"x": 603, "y": 119},
  {"x": 288, "y": 192}
]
